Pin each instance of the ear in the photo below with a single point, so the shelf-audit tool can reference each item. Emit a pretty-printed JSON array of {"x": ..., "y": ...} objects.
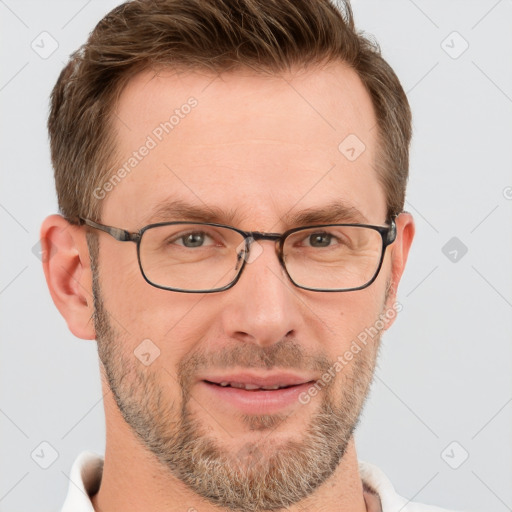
[
  {"x": 67, "y": 269},
  {"x": 399, "y": 252}
]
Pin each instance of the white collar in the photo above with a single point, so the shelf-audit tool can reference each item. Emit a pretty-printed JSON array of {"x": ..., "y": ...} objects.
[{"x": 86, "y": 473}]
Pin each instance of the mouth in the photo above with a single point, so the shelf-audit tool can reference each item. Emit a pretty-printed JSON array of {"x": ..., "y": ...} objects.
[
  {"x": 253, "y": 394},
  {"x": 251, "y": 387}
]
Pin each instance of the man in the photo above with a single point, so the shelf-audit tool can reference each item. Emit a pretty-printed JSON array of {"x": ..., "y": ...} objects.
[{"x": 231, "y": 179}]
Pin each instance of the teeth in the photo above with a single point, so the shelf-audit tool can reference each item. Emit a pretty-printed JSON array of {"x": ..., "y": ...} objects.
[{"x": 248, "y": 387}]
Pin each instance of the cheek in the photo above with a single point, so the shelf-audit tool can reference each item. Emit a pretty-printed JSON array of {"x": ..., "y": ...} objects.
[
  {"x": 354, "y": 329},
  {"x": 343, "y": 319},
  {"x": 140, "y": 311},
  {"x": 349, "y": 330}
]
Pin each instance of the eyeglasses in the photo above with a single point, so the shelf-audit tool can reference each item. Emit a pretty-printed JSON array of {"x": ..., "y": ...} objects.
[{"x": 207, "y": 257}]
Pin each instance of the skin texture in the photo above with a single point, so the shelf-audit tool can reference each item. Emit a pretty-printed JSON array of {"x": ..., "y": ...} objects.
[{"x": 259, "y": 150}]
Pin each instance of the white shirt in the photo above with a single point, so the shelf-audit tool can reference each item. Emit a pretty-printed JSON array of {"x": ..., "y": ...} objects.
[{"x": 379, "y": 494}]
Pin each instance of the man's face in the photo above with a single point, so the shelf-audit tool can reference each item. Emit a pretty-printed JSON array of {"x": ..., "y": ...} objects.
[{"x": 259, "y": 151}]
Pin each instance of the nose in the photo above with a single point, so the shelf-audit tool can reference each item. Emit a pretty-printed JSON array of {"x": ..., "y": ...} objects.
[{"x": 263, "y": 307}]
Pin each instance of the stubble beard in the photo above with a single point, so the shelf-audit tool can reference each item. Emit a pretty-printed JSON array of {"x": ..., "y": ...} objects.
[{"x": 261, "y": 475}]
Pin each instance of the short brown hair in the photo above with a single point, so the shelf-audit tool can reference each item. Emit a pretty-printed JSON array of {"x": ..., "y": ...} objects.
[{"x": 269, "y": 36}]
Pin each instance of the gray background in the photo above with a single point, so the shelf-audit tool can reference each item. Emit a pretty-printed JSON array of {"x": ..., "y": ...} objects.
[{"x": 445, "y": 373}]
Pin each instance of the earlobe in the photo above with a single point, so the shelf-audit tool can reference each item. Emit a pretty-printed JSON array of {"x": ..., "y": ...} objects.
[{"x": 66, "y": 265}]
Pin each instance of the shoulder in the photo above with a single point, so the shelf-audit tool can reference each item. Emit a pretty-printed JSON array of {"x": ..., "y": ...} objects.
[{"x": 374, "y": 480}]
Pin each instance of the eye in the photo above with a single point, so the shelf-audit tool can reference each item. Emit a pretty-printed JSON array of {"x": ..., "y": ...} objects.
[
  {"x": 195, "y": 239},
  {"x": 320, "y": 239}
]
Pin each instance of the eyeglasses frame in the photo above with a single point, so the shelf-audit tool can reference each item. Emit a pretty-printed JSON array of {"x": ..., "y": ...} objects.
[{"x": 388, "y": 234}]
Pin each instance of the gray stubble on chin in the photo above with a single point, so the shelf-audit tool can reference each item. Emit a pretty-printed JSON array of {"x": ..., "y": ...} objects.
[{"x": 258, "y": 475}]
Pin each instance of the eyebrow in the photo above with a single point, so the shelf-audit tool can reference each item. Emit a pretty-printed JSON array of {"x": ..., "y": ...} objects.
[
  {"x": 177, "y": 210},
  {"x": 170, "y": 210},
  {"x": 332, "y": 213}
]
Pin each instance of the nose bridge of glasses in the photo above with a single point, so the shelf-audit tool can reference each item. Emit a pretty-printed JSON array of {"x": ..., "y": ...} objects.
[
  {"x": 258, "y": 235},
  {"x": 255, "y": 236}
]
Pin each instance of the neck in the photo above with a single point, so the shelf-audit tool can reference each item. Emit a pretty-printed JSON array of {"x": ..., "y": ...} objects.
[{"x": 134, "y": 480}]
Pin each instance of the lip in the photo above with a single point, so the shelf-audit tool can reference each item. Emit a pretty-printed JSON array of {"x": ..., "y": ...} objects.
[
  {"x": 256, "y": 401},
  {"x": 274, "y": 379}
]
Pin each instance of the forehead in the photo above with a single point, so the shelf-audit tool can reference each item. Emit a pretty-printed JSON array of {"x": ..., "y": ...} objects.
[{"x": 254, "y": 146}]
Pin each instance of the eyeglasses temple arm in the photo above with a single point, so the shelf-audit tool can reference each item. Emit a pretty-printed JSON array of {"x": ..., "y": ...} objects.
[
  {"x": 119, "y": 234},
  {"x": 391, "y": 232}
]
